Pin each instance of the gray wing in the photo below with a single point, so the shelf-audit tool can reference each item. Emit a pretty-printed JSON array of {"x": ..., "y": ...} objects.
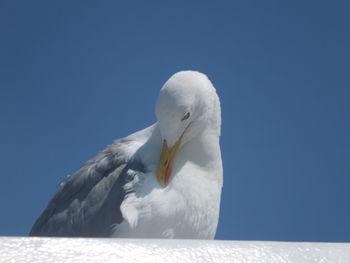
[{"x": 88, "y": 202}]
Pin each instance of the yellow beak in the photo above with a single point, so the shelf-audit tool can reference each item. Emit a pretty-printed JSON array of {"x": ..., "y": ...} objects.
[{"x": 166, "y": 161}]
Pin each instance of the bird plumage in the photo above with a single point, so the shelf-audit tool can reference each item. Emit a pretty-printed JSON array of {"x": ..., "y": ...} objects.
[
  {"x": 117, "y": 193},
  {"x": 85, "y": 204}
]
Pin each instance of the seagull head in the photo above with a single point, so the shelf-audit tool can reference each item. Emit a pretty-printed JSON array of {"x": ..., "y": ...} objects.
[{"x": 187, "y": 105}]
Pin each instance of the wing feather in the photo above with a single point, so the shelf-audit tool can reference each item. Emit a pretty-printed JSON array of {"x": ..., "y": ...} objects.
[{"x": 88, "y": 202}]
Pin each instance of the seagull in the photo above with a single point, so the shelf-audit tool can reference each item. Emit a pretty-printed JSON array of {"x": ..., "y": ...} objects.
[{"x": 163, "y": 181}]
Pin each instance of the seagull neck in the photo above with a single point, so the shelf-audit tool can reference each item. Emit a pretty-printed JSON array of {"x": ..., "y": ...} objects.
[{"x": 204, "y": 149}]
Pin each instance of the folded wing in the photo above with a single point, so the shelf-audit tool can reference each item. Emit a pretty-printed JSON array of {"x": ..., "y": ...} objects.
[{"x": 88, "y": 202}]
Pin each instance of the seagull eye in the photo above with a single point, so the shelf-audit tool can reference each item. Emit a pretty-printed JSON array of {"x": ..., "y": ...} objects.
[{"x": 186, "y": 116}]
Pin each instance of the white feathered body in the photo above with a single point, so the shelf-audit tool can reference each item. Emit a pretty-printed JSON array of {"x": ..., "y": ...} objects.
[{"x": 189, "y": 206}]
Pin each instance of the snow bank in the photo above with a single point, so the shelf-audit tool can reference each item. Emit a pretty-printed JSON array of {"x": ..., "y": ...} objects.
[{"x": 33, "y": 249}]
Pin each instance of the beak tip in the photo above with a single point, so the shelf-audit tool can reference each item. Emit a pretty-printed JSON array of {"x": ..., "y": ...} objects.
[{"x": 166, "y": 161}]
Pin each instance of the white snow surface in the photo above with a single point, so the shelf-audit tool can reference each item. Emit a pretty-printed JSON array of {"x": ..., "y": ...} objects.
[{"x": 38, "y": 249}]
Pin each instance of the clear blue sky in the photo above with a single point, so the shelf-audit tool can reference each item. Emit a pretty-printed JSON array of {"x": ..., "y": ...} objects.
[{"x": 71, "y": 71}]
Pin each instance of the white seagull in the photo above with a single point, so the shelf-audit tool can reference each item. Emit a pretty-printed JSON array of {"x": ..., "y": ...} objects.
[{"x": 164, "y": 181}]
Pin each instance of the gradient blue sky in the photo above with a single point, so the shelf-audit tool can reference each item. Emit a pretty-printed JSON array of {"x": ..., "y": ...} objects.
[{"x": 73, "y": 71}]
